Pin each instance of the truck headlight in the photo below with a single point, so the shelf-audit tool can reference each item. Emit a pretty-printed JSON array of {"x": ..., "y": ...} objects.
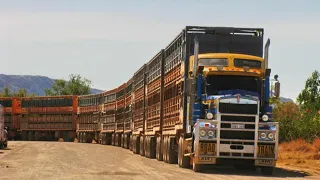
[
  {"x": 263, "y": 135},
  {"x": 271, "y": 136},
  {"x": 210, "y": 133},
  {"x": 202, "y": 133},
  {"x": 209, "y": 115},
  {"x": 265, "y": 118}
]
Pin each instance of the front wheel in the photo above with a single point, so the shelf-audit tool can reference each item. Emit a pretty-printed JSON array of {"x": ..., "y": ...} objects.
[
  {"x": 267, "y": 170},
  {"x": 196, "y": 167},
  {"x": 5, "y": 144},
  {"x": 183, "y": 161}
]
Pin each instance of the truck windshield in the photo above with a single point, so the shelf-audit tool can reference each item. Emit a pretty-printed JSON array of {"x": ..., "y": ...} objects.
[{"x": 213, "y": 84}]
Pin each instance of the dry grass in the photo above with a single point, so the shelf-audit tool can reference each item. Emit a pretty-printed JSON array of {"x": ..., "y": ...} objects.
[
  {"x": 316, "y": 144},
  {"x": 300, "y": 154}
]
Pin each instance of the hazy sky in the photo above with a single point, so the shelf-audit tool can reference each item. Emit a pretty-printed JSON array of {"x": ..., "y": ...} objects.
[{"x": 108, "y": 41}]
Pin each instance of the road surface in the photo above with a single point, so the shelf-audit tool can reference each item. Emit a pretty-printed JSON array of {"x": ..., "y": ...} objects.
[{"x": 62, "y": 160}]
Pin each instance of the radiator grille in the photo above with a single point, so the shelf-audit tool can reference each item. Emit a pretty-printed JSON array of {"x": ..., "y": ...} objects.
[{"x": 238, "y": 108}]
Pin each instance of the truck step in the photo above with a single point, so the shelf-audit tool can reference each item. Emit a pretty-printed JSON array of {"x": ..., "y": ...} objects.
[{"x": 188, "y": 155}]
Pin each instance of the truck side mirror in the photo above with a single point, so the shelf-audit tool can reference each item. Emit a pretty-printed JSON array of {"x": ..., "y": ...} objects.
[{"x": 277, "y": 89}]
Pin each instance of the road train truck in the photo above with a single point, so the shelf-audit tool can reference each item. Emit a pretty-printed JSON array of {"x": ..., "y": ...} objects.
[{"x": 213, "y": 99}]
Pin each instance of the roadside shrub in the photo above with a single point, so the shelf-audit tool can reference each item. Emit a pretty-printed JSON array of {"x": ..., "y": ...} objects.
[{"x": 296, "y": 123}]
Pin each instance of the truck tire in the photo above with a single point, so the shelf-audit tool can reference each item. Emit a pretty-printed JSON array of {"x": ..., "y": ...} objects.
[
  {"x": 164, "y": 148},
  {"x": 108, "y": 138},
  {"x": 116, "y": 139},
  {"x": 130, "y": 142},
  {"x": 153, "y": 147},
  {"x": 81, "y": 137},
  {"x": 104, "y": 139},
  {"x": 172, "y": 155},
  {"x": 136, "y": 144},
  {"x": 146, "y": 146},
  {"x": 84, "y": 137},
  {"x": 142, "y": 150},
  {"x": 158, "y": 149},
  {"x": 183, "y": 161},
  {"x": 30, "y": 136},
  {"x": 113, "y": 139},
  {"x": 24, "y": 135},
  {"x": 267, "y": 170},
  {"x": 196, "y": 167},
  {"x": 122, "y": 140}
]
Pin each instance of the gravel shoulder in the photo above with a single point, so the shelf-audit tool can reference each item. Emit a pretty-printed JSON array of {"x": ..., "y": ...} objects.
[{"x": 62, "y": 160}]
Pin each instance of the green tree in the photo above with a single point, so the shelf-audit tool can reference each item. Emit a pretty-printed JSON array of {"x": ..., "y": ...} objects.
[
  {"x": 75, "y": 86},
  {"x": 58, "y": 88},
  {"x": 309, "y": 98},
  {"x": 21, "y": 93},
  {"x": 6, "y": 92}
]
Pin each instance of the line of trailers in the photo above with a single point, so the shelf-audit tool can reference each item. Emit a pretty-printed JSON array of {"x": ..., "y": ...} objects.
[
  {"x": 40, "y": 118},
  {"x": 204, "y": 99}
]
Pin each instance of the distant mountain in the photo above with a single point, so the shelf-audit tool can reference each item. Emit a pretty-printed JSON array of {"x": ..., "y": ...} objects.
[
  {"x": 283, "y": 99},
  {"x": 33, "y": 84}
]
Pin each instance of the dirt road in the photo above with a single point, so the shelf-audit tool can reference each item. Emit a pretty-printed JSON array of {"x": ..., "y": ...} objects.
[{"x": 59, "y": 160}]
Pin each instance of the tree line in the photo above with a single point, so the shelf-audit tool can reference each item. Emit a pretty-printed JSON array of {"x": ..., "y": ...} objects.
[
  {"x": 300, "y": 120},
  {"x": 76, "y": 85}
]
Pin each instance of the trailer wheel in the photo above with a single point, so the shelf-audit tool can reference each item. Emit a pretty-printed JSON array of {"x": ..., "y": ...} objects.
[
  {"x": 30, "y": 136},
  {"x": 24, "y": 135},
  {"x": 146, "y": 146},
  {"x": 125, "y": 141},
  {"x": 37, "y": 136},
  {"x": 153, "y": 147},
  {"x": 137, "y": 144},
  {"x": 130, "y": 142},
  {"x": 84, "y": 137},
  {"x": 81, "y": 137},
  {"x": 142, "y": 150},
  {"x": 158, "y": 149},
  {"x": 113, "y": 139},
  {"x": 122, "y": 136},
  {"x": 164, "y": 149},
  {"x": 116, "y": 139},
  {"x": 134, "y": 149},
  {"x": 172, "y": 155},
  {"x": 104, "y": 139},
  {"x": 183, "y": 161},
  {"x": 108, "y": 138}
]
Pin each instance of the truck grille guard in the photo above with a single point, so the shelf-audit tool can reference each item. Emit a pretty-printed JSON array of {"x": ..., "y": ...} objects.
[{"x": 222, "y": 143}]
